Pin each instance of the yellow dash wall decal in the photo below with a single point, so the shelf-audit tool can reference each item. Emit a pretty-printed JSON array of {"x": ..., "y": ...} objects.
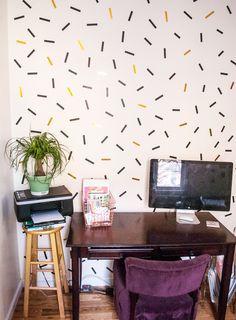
[
  {"x": 209, "y": 14},
  {"x": 183, "y": 124},
  {"x": 187, "y": 52},
  {"x": 110, "y": 13},
  {"x": 142, "y": 105},
  {"x": 136, "y": 179},
  {"x": 166, "y": 16},
  {"x": 54, "y": 4},
  {"x": 105, "y": 159},
  {"x": 50, "y": 61},
  {"x": 134, "y": 68},
  {"x": 71, "y": 175},
  {"x": 81, "y": 45},
  {"x": 21, "y": 93},
  {"x": 49, "y": 122},
  {"x": 20, "y": 41},
  {"x": 70, "y": 92},
  {"x": 136, "y": 143},
  {"x": 210, "y": 132},
  {"x": 185, "y": 87}
]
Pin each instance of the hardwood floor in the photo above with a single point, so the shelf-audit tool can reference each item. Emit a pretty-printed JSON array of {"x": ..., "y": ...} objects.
[{"x": 43, "y": 305}]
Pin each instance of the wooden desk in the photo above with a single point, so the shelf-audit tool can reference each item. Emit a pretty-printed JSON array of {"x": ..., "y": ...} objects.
[{"x": 147, "y": 234}]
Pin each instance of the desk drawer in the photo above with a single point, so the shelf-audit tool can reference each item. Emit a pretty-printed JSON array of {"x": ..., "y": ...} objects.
[
  {"x": 191, "y": 251},
  {"x": 109, "y": 252}
]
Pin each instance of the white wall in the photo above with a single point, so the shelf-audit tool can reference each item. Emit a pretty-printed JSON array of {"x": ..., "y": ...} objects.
[
  {"x": 126, "y": 81},
  {"x": 9, "y": 266}
]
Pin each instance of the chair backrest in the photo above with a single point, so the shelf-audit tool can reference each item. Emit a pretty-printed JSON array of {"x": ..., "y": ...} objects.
[{"x": 165, "y": 278}]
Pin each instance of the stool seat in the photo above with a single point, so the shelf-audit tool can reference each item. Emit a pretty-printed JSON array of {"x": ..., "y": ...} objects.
[{"x": 57, "y": 263}]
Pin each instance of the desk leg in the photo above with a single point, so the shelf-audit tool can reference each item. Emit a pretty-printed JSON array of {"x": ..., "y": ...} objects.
[
  {"x": 225, "y": 282},
  {"x": 76, "y": 278}
]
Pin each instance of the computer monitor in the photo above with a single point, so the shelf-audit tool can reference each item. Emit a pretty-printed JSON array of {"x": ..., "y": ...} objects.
[{"x": 190, "y": 184}]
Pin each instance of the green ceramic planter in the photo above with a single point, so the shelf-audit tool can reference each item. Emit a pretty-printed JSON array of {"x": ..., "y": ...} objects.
[{"x": 39, "y": 186}]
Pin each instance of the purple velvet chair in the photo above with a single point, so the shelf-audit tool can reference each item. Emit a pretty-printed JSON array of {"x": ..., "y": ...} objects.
[{"x": 158, "y": 290}]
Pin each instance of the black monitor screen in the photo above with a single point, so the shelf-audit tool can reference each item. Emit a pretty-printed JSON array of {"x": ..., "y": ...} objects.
[{"x": 188, "y": 184}]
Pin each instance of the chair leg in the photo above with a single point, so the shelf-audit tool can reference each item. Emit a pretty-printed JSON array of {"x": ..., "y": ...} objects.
[
  {"x": 34, "y": 257},
  {"x": 62, "y": 261},
  {"x": 27, "y": 274},
  {"x": 57, "y": 275}
]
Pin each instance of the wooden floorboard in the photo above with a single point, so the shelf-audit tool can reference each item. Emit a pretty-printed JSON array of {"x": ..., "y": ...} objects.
[{"x": 43, "y": 305}]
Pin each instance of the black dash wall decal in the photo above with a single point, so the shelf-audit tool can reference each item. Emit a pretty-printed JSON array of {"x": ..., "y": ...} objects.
[
  {"x": 232, "y": 85},
  {"x": 87, "y": 105},
  {"x": 19, "y": 119},
  {"x": 212, "y": 104},
  {"x": 221, "y": 114},
  {"x": 139, "y": 121},
  {"x": 172, "y": 76},
  {"x": 31, "y": 111},
  {"x": 188, "y": 144},
  {"x": 102, "y": 46},
  {"x": 41, "y": 96},
  {"x": 159, "y": 97},
  {"x": 92, "y": 24},
  {"x": 27, "y": 4},
  {"x": 188, "y": 15},
  {"x": 123, "y": 129},
  {"x": 107, "y": 92},
  {"x": 140, "y": 88},
  {"x": 49, "y": 41},
  {"x": 123, "y": 36},
  {"x": 35, "y": 131},
  {"x": 172, "y": 157},
  {"x": 228, "y": 8},
  {"x": 200, "y": 66},
  {"x": 139, "y": 163},
  {"x": 220, "y": 31},
  {"x": 151, "y": 73},
  {"x": 32, "y": 73},
  {"x": 130, "y": 53},
  {"x": 88, "y": 160},
  {"x": 223, "y": 128},
  {"x": 140, "y": 198},
  {"x": 121, "y": 82},
  {"x": 130, "y": 15},
  {"x": 201, "y": 38},
  {"x": 70, "y": 155},
  {"x": 74, "y": 119},
  {"x": 75, "y": 9},
  {"x": 87, "y": 87},
  {"x": 44, "y": 19},
  {"x": 84, "y": 139},
  {"x": 217, "y": 157},
  {"x": 232, "y": 61},
  {"x": 114, "y": 63},
  {"x": 196, "y": 130},
  {"x": 203, "y": 88},
  {"x": 219, "y": 54},
  {"x": 94, "y": 271},
  {"x": 164, "y": 53},
  {"x": 19, "y": 17},
  {"x": 64, "y": 134},
  {"x": 196, "y": 109},
  {"x": 228, "y": 150},
  {"x": 177, "y": 35},
  {"x": 219, "y": 90},
  {"x": 109, "y": 269},
  {"x": 166, "y": 134},
  {"x": 23, "y": 179},
  {"x": 122, "y": 169},
  {"x": 66, "y": 26},
  {"x": 109, "y": 114},
  {"x": 66, "y": 57},
  {"x": 123, "y": 103},
  {"x": 148, "y": 41},
  {"x": 200, "y": 156},
  {"x": 158, "y": 117},
  {"x": 230, "y": 138},
  {"x": 233, "y": 199},
  {"x": 156, "y": 147},
  {"x": 152, "y": 23},
  {"x": 53, "y": 83},
  {"x": 89, "y": 62},
  {"x": 32, "y": 34},
  {"x": 216, "y": 145},
  {"x": 75, "y": 195},
  {"x": 176, "y": 110},
  {"x": 17, "y": 63},
  {"x": 118, "y": 146},
  {"x": 228, "y": 214},
  {"x": 224, "y": 73},
  {"x": 59, "y": 105},
  {"x": 123, "y": 193},
  {"x": 31, "y": 52}
]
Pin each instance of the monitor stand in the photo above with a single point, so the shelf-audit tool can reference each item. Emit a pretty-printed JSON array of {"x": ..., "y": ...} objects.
[{"x": 186, "y": 217}]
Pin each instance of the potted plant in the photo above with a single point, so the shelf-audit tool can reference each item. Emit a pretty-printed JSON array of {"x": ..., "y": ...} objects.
[{"x": 41, "y": 157}]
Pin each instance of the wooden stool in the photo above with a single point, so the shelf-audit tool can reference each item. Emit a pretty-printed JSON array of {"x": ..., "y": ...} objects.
[{"x": 32, "y": 262}]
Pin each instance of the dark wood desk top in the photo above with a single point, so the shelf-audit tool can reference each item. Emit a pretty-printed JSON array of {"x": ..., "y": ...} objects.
[{"x": 147, "y": 229}]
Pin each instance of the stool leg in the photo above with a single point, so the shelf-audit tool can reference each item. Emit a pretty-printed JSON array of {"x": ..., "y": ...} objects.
[
  {"x": 27, "y": 274},
  {"x": 34, "y": 257},
  {"x": 57, "y": 275},
  {"x": 62, "y": 261}
]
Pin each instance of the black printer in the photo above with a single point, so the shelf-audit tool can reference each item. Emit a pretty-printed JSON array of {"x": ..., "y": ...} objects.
[{"x": 59, "y": 198}]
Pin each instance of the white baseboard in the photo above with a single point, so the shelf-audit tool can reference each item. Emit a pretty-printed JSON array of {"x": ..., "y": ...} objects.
[{"x": 14, "y": 301}]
